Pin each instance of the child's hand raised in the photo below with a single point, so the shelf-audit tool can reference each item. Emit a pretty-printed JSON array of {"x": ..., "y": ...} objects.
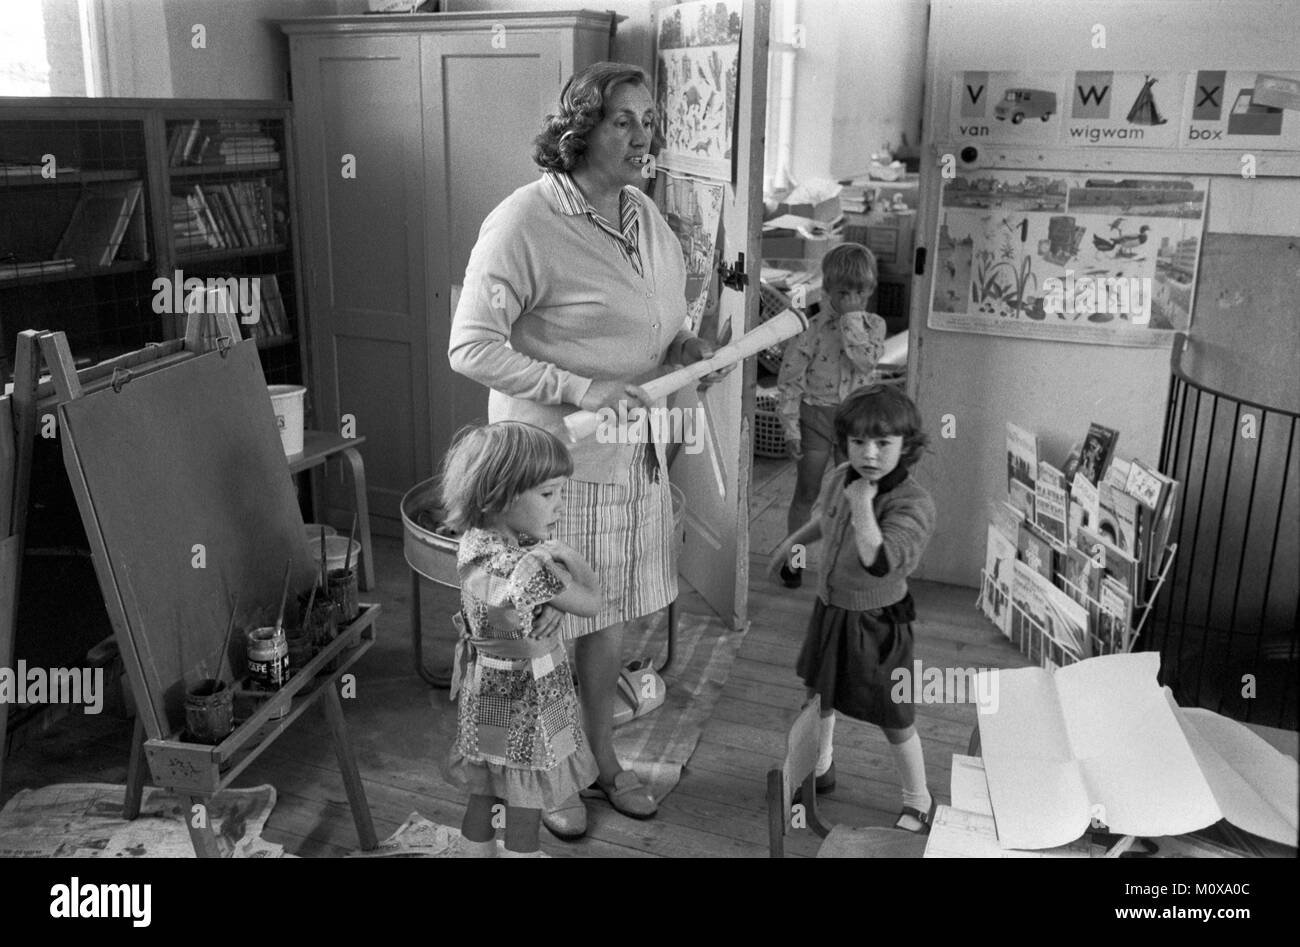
[{"x": 860, "y": 491}]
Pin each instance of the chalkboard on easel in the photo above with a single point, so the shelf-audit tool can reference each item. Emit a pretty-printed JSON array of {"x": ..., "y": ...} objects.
[{"x": 187, "y": 499}]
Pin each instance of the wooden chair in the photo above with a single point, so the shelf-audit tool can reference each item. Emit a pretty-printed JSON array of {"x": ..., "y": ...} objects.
[{"x": 798, "y": 771}]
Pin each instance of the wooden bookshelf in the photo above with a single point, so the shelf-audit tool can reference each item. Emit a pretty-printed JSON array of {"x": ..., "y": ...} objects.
[{"x": 239, "y": 157}]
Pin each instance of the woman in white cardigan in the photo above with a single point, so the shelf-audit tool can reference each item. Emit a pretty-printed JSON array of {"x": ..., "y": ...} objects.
[{"x": 574, "y": 292}]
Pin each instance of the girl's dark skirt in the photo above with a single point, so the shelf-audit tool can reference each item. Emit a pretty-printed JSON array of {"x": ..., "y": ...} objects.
[{"x": 848, "y": 656}]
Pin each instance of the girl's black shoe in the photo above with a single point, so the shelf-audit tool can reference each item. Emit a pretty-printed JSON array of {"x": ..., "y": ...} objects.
[{"x": 791, "y": 578}]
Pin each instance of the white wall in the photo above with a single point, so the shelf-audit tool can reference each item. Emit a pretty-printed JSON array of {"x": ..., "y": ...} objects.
[
  {"x": 151, "y": 53},
  {"x": 858, "y": 84},
  {"x": 1057, "y": 388}
]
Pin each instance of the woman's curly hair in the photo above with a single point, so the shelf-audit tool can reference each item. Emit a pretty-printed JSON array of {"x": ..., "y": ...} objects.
[{"x": 563, "y": 140}]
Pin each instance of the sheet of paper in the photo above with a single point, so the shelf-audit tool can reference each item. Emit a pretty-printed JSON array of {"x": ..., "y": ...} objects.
[
  {"x": 1094, "y": 740},
  {"x": 1136, "y": 763},
  {"x": 970, "y": 787},
  {"x": 1256, "y": 787},
  {"x": 959, "y": 834}
]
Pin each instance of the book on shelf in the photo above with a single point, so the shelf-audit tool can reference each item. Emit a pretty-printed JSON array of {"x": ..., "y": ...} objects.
[
  {"x": 17, "y": 270},
  {"x": 1022, "y": 456},
  {"x": 99, "y": 222},
  {"x": 272, "y": 316},
  {"x": 1051, "y": 510},
  {"x": 999, "y": 564},
  {"x": 1097, "y": 450}
]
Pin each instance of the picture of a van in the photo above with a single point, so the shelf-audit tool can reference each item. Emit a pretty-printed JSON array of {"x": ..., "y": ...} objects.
[{"x": 1020, "y": 104}]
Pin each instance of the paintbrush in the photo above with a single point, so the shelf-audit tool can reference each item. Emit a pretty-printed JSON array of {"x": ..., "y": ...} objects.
[
  {"x": 230, "y": 632},
  {"x": 347, "y": 557},
  {"x": 324, "y": 573},
  {"x": 284, "y": 595}
]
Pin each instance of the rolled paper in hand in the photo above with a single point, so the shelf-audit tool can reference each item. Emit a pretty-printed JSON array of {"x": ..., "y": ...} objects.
[{"x": 784, "y": 325}]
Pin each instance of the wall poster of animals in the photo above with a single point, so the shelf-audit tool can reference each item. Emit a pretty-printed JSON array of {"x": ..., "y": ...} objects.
[
  {"x": 695, "y": 86},
  {"x": 1100, "y": 258},
  {"x": 693, "y": 209}
]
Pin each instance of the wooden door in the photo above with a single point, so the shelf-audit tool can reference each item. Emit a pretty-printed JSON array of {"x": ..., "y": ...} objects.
[
  {"x": 366, "y": 256},
  {"x": 716, "y": 560},
  {"x": 484, "y": 102}
]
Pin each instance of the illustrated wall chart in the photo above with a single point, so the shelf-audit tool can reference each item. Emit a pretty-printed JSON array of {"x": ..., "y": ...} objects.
[
  {"x": 1068, "y": 256},
  {"x": 1134, "y": 109},
  {"x": 695, "y": 86},
  {"x": 693, "y": 209}
]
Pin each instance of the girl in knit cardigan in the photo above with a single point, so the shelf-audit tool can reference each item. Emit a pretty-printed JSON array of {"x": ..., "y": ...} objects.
[{"x": 876, "y": 521}]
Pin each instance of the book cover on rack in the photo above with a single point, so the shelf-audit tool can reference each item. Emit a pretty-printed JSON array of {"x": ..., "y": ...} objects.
[
  {"x": 1098, "y": 446},
  {"x": 1085, "y": 506},
  {"x": 1050, "y": 475},
  {"x": 1022, "y": 456},
  {"x": 1007, "y": 519},
  {"x": 1159, "y": 537},
  {"x": 1051, "y": 510},
  {"x": 1040, "y": 607},
  {"x": 1147, "y": 484},
  {"x": 1114, "y": 616},
  {"x": 1118, "y": 520},
  {"x": 1116, "y": 473},
  {"x": 1036, "y": 550},
  {"x": 1116, "y": 562},
  {"x": 1079, "y": 579},
  {"x": 999, "y": 564},
  {"x": 1022, "y": 499}
]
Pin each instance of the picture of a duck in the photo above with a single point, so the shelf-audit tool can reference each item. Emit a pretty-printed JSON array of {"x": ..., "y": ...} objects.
[{"x": 1124, "y": 244}]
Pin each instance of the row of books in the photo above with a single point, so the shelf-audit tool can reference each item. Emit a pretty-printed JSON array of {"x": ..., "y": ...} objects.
[
  {"x": 226, "y": 216},
  {"x": 220, "y": 143},
  {"x": 1075, "y": 549}
]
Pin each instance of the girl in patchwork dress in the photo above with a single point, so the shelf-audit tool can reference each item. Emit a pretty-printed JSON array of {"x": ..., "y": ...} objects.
[{"x": 519, "y": 736}]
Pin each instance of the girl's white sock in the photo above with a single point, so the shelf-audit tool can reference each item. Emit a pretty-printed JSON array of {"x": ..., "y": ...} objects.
[
  {"x": 826, "y": 745},
  {"x": 507, "y": 853},
  {"x": 486, "y": 849},
  {"x": 910, "y": 761}
]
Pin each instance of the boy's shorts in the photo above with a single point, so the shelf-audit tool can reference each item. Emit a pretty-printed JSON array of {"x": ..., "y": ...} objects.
[{"x": 817, "y": 428}]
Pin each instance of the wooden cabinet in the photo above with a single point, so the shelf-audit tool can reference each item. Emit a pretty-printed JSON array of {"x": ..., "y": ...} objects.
[{"x": 409, "y": 131}]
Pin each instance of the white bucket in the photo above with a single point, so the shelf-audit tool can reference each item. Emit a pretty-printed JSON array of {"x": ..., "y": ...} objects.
[
  {"x": 314, "y": 530},
  {"x": 287, "y": 401},
  {"x": 336, "y": 551}
]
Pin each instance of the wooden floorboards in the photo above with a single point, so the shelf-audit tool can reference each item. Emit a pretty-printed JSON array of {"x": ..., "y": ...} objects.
[{"x": 401, "y": 728}]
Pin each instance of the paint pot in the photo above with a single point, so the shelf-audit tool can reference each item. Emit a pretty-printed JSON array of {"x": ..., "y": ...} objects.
[
  {"x": 268, "y": 657},
  {"x": 321, "y": 626},
  {"x": 301, "y": 649},
  {"x": 342, "y": 591},
  {"x": 209, "y": 711}
]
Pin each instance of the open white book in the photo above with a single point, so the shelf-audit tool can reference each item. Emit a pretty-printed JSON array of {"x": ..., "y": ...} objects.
[{"x": 1102, "y": 740}]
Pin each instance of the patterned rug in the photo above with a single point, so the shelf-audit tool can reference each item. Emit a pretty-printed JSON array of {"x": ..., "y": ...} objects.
[
  {"x": 658, "y": 745},
  {"x": 84, "y": 820}
]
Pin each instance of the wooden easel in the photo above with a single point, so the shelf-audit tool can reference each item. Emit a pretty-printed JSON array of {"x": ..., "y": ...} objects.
[{"x": 171, "y": 445}]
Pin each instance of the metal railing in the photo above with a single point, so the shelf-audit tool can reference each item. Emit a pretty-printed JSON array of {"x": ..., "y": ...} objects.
[{"x": 1226, "y": 621}]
